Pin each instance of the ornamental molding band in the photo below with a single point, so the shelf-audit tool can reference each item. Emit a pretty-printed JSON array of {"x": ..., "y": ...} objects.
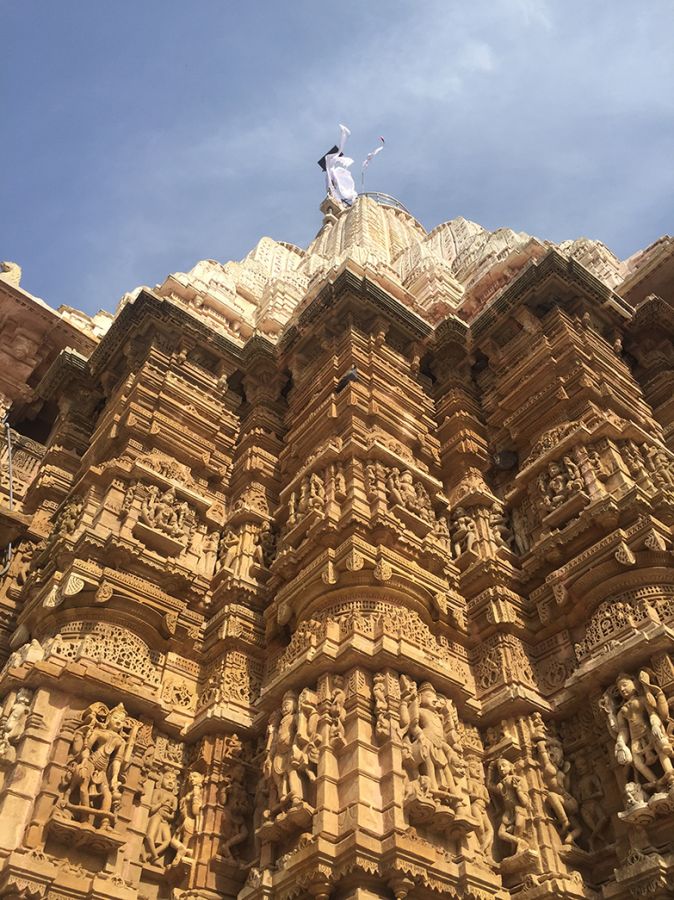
[{"x": 343, "y": 573}]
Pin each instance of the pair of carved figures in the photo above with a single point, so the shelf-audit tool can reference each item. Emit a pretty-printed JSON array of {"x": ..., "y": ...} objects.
[
  {"x": 239, "y": 549},
  {"x": 639, "y": 719},
  {"x": 559, "y": 482},
  {"x": 291, "y": 752},
  {"x": 174, "y": 823},
  {"x": 99, "y": 756},
  {"x": 310, "y": 498},
  {"x": 403, "y": 491},
  {"x": 163, "y": 512}
]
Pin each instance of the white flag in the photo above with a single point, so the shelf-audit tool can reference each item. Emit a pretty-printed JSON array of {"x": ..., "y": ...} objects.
[
  {"x": 368, "y": 159},
  {"x": 339, "y": 180}
]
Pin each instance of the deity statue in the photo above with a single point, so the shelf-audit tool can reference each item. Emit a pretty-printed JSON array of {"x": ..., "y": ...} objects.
[
  {"x": 100, "y": 750},
  {"x": 555, "y": 772},
  {"x": 479, "y": 801},
  {"x": 13, "y": 726},
  {"x": 236, "y": 803},
  {"x": 292, "y": 751},
  {"x": 312, "y": 496},
  {"x": 381, "y": 707},
  {"x": 432, "y": 751},
  {"x": 265, "y": 548},
  {"x": 401, "y": 488},
  {"x": 229, "y": 548},
  {"x": 168, "y": 514},
  {"x": 148, "y": 508},
  {"x": 191, "y": 804},
  {"x": 70, "y": 516},
  {"x": 337, "y": 713},
  {"x": 441, "y": 531},
  {"x": 160, "y": 827},
  {"x": 560, "y": 482},
  {"x": 592, "y": 802},
  {"x": 464, "y": 532},
  {"x": 638, "y": 718},
  {"x": 500, "y": 529},
  {"x": 512, "y": 793}
]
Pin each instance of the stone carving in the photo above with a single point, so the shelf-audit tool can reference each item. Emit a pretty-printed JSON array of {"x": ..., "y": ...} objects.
[
  {"x": 106, "y": 643},
  {"x": 592, "y": 804},
  {"x": 432, "y": 751},
  {"x": 479, "y": 801},
  {"x": 501, "y": 532},
  {"x": 402, "y": 490},
  {"x": 638, "y": 718},
  {"x": 512, "y": 800},
  {"x": 13, "y": 725},
  {"x": 382, "y": 710},
  {"x": 237, "y": 806},
  {"x": 265, "y": 548},
  {"x": 168, "y": 468},
  {"x": 163, "y": 512},
  {"x": 292, "y": 752},
  {"x": 310, "y": 498},
  {"x": 190, "y": 809},
  {"x": 464, "y": 532},
  {"x": 161, "y": 829},
  {"x": 253, "y": 499},
  {"x": 230, "y": 547},
  {"x": 555, "y": 772},
  {"x": 99, "y": 756},
  {"x": 559, "y": 482},
  {"x": 69, "y": 518},
  {"x": 337, "y": 713},
  {"x": 372, "y": 618},
  {"x": 225, "y": 384}
]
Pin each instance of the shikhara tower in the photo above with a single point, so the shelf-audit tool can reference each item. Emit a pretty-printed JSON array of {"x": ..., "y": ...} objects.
[{"x": 343, "y": 573}]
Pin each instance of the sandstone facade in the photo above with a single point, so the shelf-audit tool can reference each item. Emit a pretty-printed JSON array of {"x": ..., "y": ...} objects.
[{"x": 344, "y": 573}]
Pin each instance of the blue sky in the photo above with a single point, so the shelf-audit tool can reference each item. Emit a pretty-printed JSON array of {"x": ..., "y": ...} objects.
[{"x": 140, "y": 136}]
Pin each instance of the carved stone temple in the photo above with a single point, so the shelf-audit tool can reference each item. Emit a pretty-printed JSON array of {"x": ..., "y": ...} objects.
[{"x": 343, "y": 573}]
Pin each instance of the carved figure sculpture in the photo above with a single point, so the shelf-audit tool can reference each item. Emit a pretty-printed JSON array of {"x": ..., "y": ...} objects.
[
  {"x": 163, "y": 513},
  {"x": 381, "y": 707},
  {"x": 191, "y": 804},
  {"x": 403, "y": 491},
  {"x": 292, "y": 751},
  {"x": 464, "y": 532},
  {"x": 441, "y": 531},
  {"x": 559, "y": 483},
  {"x": 101, "y": 750},
  {"x": 498, "y": 523},
  {"x": 574, "y": 480},
  {"x": 337, "y": 713},
  {"x": 431, "y": 747},
  {"x": 265, "y": 548},
  {"x": 14, "y": 725},
  {"x": 639, "y": 720},
  {"x": 167, "y": 514},
  {"x": 229, "y": 548},
  {"x": 70, "y": 516},
  {"x": 312, "y": 496},
  {"x": 148, "y": 508},
  {"x": 160, "y": 827},
  {"x": 511, "y": 791},
  {"x": 236, "y": 804},
  {"x": 592, "y": 802},
  {"x": 555, "y": 772},
  {"x": 479, "y": 801}
]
